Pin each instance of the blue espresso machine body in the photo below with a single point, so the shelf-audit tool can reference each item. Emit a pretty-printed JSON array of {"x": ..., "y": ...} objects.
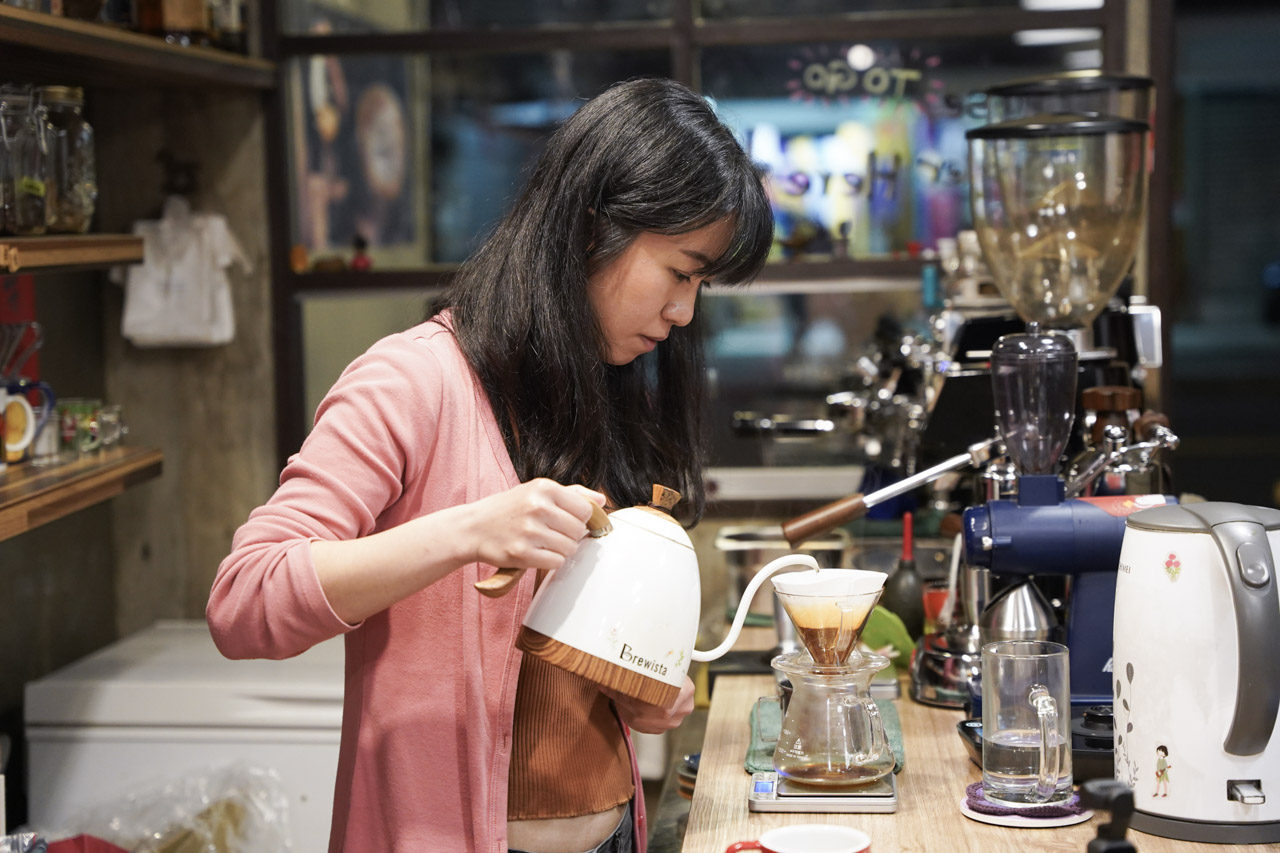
[{"x": 1040, "y": 533}]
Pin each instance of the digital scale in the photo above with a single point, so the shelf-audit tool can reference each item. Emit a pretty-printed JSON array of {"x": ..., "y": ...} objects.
[{"x": 770, "y": 792}]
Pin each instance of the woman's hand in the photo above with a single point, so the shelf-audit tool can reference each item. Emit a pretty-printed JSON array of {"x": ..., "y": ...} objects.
[
  {"x": 536, "y": 525},
  {"x": 652, "y": 719}
]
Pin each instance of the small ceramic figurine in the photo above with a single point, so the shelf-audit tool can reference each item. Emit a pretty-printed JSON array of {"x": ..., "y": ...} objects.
[{"x": 360, "y": 261}]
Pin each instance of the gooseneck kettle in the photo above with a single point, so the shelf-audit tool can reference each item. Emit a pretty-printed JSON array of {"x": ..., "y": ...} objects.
[{"x": 623, "y": 610}]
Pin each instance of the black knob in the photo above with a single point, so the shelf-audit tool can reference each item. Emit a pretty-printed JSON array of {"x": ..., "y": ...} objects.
[
  {"x": 1099, "y": 718},
  {"x": 1117, "y": 798}
]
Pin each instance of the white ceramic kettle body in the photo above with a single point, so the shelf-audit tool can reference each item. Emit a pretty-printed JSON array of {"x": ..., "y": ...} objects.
[
  {"x": 1190, "y": 719},
  {"x": 631, "y": 601}
]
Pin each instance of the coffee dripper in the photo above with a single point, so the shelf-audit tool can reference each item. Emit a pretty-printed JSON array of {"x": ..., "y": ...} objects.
[{"x": 832, "y": 732}]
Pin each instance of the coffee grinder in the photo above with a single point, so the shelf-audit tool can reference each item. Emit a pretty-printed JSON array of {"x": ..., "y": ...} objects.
[{"x": 1058, "y": 204}]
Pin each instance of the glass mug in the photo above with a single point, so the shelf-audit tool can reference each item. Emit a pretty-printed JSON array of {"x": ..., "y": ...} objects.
[
  {"x": 807, "y": 838},
  {"x": 1026, "y": 719},
  {"x": 111, "y": 426},
  {"x": 78, "y": 422}
]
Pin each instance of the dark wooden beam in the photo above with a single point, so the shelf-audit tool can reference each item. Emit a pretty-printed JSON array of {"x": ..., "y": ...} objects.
[
  {"x": 1161, "y": 284},
  {"x": 91, "y": 54}
]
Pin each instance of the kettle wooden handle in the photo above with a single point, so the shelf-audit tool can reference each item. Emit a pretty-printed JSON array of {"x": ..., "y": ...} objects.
[
  {"x": 823, "y": 519},
  {"x": 503, "y": 581}
]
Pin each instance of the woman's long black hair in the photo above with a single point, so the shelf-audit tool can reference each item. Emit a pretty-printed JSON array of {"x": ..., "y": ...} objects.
[{"x": 647, "y": 155}]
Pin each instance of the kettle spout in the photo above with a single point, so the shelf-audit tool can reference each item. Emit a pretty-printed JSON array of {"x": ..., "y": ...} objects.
[{"x": 798, "y": 560}]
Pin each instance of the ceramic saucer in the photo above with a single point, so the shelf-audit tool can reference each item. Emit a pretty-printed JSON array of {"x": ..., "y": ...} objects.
[{"x": 1023, "y": 821}]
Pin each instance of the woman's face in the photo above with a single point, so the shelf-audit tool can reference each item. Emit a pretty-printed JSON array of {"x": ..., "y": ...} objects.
[{"x": 651, "y": 287}]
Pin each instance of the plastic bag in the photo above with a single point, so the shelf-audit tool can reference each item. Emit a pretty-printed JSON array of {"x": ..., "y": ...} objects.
[
  {"x": 234, "y": 808},
  {"x": 23, "y": 842}
]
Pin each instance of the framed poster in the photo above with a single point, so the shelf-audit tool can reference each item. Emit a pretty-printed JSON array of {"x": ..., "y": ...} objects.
[{"x": 354, "y": 143}]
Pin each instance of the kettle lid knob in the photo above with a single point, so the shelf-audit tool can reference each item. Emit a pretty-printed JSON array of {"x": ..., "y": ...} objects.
[{"x": 663, "y": 497}]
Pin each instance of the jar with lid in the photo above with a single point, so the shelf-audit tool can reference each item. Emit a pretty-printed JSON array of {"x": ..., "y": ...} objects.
[
  {"x": 72, "y": 186},
  {"x": 26, "y": 135}
]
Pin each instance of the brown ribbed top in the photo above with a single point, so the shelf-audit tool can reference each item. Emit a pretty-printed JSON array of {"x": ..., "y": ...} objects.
[{"x": 568, "y": 755}]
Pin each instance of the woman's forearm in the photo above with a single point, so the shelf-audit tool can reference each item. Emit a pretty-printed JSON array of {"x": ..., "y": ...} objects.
[{"x": 361, "y": 577}]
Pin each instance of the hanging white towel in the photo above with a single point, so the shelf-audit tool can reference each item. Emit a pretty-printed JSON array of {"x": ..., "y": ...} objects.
[{"x": 179, "y": 296}]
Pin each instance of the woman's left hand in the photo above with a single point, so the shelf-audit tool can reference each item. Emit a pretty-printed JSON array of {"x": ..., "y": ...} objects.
[{"x": 652, "y": 719}]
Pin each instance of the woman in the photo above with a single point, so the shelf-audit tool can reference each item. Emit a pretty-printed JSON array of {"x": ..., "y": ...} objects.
[{"x": 566, "y": 370}]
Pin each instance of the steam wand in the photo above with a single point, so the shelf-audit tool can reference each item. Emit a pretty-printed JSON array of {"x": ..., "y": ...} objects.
[{"x": 825, "y": 518}]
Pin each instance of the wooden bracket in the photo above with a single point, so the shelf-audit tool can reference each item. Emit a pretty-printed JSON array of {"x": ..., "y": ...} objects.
[{"x": 9, "y": 257}]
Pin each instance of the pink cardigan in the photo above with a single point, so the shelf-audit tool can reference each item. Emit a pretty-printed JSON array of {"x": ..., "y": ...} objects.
[{"x": 431, "y": 681}]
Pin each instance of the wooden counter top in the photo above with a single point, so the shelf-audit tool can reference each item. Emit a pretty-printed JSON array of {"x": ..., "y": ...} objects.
[{"x": 930, "y": 789}]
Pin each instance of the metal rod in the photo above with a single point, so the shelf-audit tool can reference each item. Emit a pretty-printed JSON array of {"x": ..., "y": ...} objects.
[{"x": 977, "y": 454}]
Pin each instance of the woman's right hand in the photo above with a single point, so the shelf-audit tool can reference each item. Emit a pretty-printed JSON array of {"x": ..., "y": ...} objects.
[{"x": 536, "y": 525}]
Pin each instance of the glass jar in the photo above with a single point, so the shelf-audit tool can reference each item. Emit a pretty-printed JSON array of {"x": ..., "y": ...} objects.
[
  {"x": 72, "y": 186},
  {"x": 26, "y": 124},
  {"x": 6, "y": 179}
]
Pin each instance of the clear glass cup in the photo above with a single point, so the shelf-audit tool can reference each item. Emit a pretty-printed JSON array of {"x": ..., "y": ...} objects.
[
  {"x": 111, "y": 425},
  {"x": 1026, "y": 723},
  {"x": 46, "y": 450}
]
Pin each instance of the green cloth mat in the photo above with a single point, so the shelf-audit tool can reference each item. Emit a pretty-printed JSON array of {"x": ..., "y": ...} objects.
[{"x": 769, "y": 721}]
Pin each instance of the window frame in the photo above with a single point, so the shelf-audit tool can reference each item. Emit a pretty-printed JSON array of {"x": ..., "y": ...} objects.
[{"x": 684, "y": 34}]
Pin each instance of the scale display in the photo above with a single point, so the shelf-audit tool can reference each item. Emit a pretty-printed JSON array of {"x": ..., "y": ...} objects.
[{"x": 770, "y": 792}]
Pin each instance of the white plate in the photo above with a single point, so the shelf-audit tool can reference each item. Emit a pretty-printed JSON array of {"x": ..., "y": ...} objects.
[{"x": 1022, "y": 821}]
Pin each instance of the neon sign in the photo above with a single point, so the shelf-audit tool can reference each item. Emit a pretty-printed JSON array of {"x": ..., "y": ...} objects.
[{"x": 839, "y": 77}]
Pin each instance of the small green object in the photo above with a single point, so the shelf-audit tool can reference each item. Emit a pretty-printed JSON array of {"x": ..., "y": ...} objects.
[{"x": 884, "y": 628}]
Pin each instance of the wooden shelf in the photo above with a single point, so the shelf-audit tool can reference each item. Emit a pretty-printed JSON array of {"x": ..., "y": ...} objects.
[
  {"x": 68, "y": 251},
  {"x": 31, "y": 496},
  {"x": 37, "y": 46}
]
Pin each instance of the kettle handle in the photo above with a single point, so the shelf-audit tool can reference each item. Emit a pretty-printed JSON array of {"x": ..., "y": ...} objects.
[
  {"x": 503, "y": 581},
  {"x": 745, "y": 604},
  {"x": 1255, "y": 596}
]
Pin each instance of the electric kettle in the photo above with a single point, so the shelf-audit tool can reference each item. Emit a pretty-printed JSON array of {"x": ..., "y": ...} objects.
[
  {"x": 1196, "y": 672},
  {"x": 623, "y": 610}
]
